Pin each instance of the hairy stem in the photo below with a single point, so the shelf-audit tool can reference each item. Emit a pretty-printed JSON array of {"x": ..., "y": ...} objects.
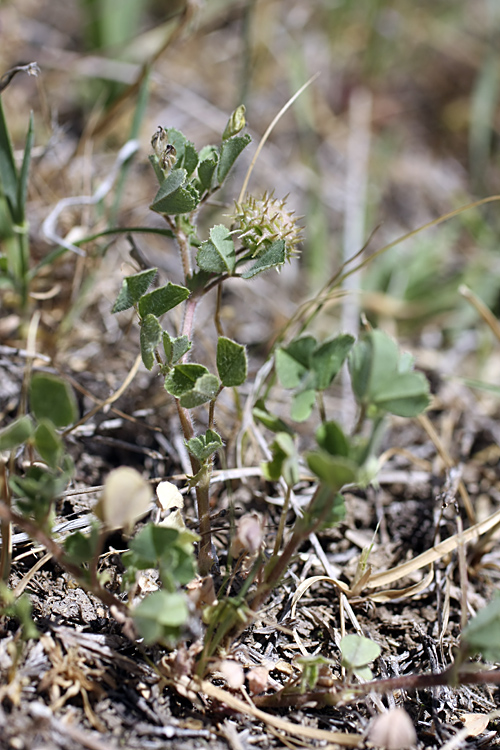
[
  {"x": 331, "y": 696},
  {"x": 205, "y": 555}
]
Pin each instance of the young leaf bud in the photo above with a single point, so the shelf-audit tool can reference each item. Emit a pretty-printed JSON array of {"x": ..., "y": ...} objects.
[{"x": 235, "y": 123}]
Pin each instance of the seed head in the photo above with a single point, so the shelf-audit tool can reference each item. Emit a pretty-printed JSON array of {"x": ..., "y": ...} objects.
[{"x": 263, "y": 221}]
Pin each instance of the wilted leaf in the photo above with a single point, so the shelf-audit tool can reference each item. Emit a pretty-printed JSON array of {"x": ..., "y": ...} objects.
[{"x": 475, "y": 723}]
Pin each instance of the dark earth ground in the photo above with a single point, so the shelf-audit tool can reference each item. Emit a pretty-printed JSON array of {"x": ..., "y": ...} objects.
[{"x": 83, "y": 683}]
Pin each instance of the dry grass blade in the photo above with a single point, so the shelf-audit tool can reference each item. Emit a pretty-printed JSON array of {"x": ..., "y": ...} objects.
[
  {"x": 401, "y": 571},
  {"x": 111, "y": 399},
  {"x": 434, "y": 553},
  {"x": 223, "y": 696},
  {"x": 425, "y": 422},
  {"x": 481, "y": 308},
  {"x": 268, "y": 133}
]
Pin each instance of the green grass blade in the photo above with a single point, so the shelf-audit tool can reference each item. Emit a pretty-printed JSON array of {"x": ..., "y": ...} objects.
[
  {"x": 8, "y": 171},
  {"x": 22, "y": 187}
]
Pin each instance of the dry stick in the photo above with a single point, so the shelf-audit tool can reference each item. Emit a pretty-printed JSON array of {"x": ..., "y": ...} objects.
[
  {"x": 358, "y": 149},
  {"x": 481, "y": 308},
  {"x": 114, "y": 396},
  {"x": 224, "y": 697},
  {"x": 268, "y": 133},
  {"x": 425, "y": 422},
  {"x": 403, "y": 682}
]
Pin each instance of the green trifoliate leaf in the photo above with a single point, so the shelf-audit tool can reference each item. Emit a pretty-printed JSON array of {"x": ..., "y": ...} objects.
[
  {"x": 293, "y": 361},
  {"x": 152, "y": 543},
  {"x": 133, "y": 287},
  {"x": 175, "y": 348},
  {"x": 328, "y": 505},
  {"x": 406, "y": 396},
  {"x": 229, "y": 152},
  {"x": 284, "y": 462},
  {"x": 205, "y": 389},
  {"x": 358, "y": 651},
  {"x": 163, "y": 299},
  {"x": 183, "y": 378},
  {"x": 170, "y": 184},
  {"x": 217, "y": 255},
  {"x": 16, "y": 433},
  {"x": 273, "y": 257},
  {"x": 52, "y": 398},
  {"x": 160, "y": 616},
  {"x": 48, "y": 443},
  {"x": 81, "y": 548},
  {"x": 334, "y": 471},
  {"x": 482, "y": 634},
  {"x": 150, "y": 338},
  {"x": 204, "y": 446},
  {"x": 208, "y": 152},
  {"x": 181, "y": 201},
  {"x": 328, "y": 358},
  {"x": 231, "y": 362},
  {"x": 302, "y": 405},
  {"x": 271, "y": 421},
  {"x": 383, "y": 380},
  {"x": 190, "y": 161},
  {"x": 192, "y": 384},
  {"x": 331, "y": 438},
  {"x": 206, "y": 170}
]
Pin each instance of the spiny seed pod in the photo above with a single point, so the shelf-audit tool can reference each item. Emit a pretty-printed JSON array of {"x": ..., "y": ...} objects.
[{"x": 262, "y": 222}]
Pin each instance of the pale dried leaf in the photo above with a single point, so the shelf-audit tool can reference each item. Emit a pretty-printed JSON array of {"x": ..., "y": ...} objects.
[
  {"x": 232, "y": 673},
  {"x": 475, "y": 723},
  {"x": 126, "y": 498},
  {"x": 392, "y": 730},
  {"x": 169, "y": 496}
]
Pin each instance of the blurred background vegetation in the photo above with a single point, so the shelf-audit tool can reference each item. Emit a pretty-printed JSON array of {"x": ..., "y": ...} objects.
[{"x": 400, "y": 126}]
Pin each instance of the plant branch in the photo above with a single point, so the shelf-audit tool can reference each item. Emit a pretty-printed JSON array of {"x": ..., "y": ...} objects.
[
  {"x": 58, "y": 553},
  {"x": 293, "y": 697}
]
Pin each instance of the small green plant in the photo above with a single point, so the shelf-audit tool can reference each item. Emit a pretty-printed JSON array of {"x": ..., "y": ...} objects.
[{"x": 262, "y": 235}]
